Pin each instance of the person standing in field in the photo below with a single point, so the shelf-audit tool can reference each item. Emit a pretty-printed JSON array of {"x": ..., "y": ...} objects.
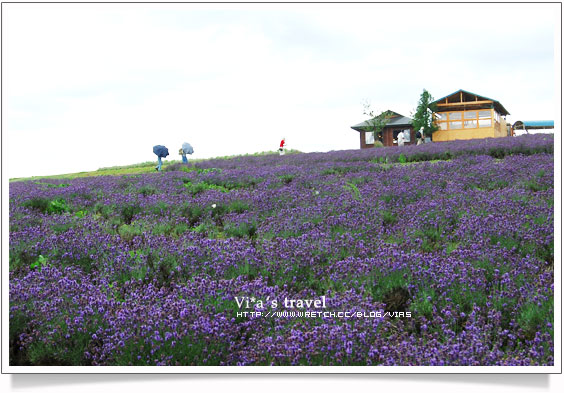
[
  {"x": 420, "y": 135},
  {"x": 401, "y": 139},
  {"x": 161, "y": 152},
  {"x": 282, "y": 143},
  {"x": 184, "y": 159},
  {"x": 186, "y": 149}
]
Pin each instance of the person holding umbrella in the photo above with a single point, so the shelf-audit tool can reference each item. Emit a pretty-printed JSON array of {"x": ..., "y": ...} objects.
[
  {"x": 161, "y": 152},
  {"x": 186, "y": 149}
]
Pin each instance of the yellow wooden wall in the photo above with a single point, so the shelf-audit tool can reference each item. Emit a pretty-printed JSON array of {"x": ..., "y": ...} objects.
[
  {"x": 473, "y": 133},
  {"x": 464, "y": 133}
]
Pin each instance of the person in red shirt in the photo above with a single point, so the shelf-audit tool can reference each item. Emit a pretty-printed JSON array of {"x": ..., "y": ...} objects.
[{"x": 282, "y": 143}]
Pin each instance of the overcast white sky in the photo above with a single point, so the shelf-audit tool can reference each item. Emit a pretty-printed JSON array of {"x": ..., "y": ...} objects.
[{"x": 95, "y": 85}]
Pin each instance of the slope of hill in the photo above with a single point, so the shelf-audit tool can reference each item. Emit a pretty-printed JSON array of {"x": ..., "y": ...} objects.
[{"x": 440, "y": 254}]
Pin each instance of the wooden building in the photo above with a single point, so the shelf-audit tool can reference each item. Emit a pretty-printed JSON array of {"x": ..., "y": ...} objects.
[
  {"x": 465, "y": 115},
  {"x": 388, "y": 137}
]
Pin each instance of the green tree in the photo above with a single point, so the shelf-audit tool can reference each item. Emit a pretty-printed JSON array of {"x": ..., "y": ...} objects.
[
  {"x": 376, "y": 123},
  {"x": 423, "y": 116}
]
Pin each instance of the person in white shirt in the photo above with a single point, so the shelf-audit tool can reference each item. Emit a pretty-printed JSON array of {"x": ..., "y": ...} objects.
[{"x": 401, "y": 139}]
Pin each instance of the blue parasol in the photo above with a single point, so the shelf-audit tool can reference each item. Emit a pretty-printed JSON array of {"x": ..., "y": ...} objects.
[
  {"x": 160, "y": 151},
  {"x": 187, "y": 148}
]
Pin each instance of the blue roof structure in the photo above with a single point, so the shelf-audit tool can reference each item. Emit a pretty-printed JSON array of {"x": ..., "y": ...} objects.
[{"x": 538, "y": 123}]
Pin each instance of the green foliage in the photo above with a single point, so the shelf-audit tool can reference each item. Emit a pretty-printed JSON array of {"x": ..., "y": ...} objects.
[
  {"x": 51, "y": 185},
  {"x": 103, "y": 210},
  {"x": 59, "y": 228},
  {"x": 147, "y": 190},
  {"x": 129, "y": 211},
  {"x": 286, "y": 179},
  {"x": 423, "y": 116},
  {"x": 244, "y": 229},
  {"x": 423, "y": 304},
  {"x": 170, "y": 229},
  {"x": 129, "y": 232},
  {"x": 534, "y": 186},
  {"x": 402, "y": 159},
  {"x": 193, "y": 212},
  {"x": 360, "y": 180},
  {"x": 58, "y": 206},
  {"x": 388, "y": 218},
  {"x": 188, "y": 351},
  {"x": 376, "y": 123},
  {"x": 532, "y": 317},
  {"x": 512, "y": 243},
  {"x": 351, "y": 187},
  {"x": 238, "y": 206},
  {"x": 45, "y": 205},
  {"x": 450, "y": 247},
  {"x": 160, "y": 209},
  {"x": 430, "y": 237},
  {"x": 21, "y": 256},
  {"x": 81, "y": 213},
  {"x": 197, "y": 188},
  {"x": 39, "y": 263},
  {"x": 379, "y": 285},
  {"x": 218, "y": 212}
]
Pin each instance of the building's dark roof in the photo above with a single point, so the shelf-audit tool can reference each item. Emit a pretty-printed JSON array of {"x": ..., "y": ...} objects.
[
  {"x": 396, "y": 121},
  {"x": 497, "y": 104}
]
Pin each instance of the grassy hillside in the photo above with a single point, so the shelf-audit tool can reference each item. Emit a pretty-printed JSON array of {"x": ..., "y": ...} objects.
[{"x": 144, "y": 167}]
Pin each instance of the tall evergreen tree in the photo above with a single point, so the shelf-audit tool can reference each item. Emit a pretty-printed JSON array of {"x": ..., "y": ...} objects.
[{"x": 423, "y": 116}]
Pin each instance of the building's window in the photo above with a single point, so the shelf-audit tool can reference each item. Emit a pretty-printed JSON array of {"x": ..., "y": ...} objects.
[
  {"x": 470, "y": 124},
  {"x": 485, "y": 123},
  {"x": 466, "y": 119},
  {"x": 369, "y": 137},
  {"x": 470, "y": 115},
  {"x": 485, "y": 114},
  {"x": 406, "y": 134}
]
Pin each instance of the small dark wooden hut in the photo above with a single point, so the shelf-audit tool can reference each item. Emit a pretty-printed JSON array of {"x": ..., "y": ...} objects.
[{"x": 388, "y": 137}]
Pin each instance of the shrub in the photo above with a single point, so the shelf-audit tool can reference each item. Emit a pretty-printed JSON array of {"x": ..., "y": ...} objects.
[
  {"x": 58, "y": 206},
  {"x": 197, "y": 188},
  {"x": 129, "y": 232},
  {"x": 147, "y": 190},
  {"x": 286, "y": 179},
  {"x": 245, "y": 229},
  {"x": 388, "y": 218},
  {"x": 103, "y": 210},
  {"x": 531, "y": 316},
  {"x": 238, "y": 206},
  {"x": 45, "y": 205},
  {"x": 129, "y": 211},
  {"x": 192, "y": 212}
]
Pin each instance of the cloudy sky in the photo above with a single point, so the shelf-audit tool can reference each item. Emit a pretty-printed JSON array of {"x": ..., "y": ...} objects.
[{"x": 95, "y": 85}]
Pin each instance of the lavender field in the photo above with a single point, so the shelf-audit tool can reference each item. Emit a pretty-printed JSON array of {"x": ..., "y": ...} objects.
[{"x": 440, "y": 254}]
